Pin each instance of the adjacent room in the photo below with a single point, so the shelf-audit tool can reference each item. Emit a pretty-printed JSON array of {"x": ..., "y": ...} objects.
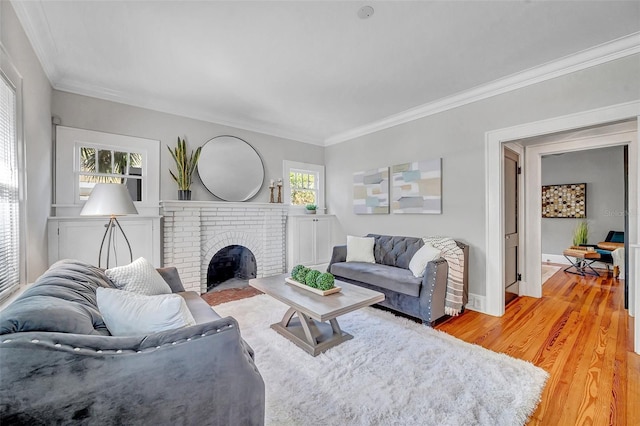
[{"x": 319, "y": 212}]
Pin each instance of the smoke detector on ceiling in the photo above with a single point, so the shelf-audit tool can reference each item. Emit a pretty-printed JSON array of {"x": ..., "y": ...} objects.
[{"x": 365, "y": 12}]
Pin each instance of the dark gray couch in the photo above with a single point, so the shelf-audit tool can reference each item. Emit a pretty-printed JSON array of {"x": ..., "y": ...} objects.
[
  {"x": 60, "y": 365},
  {"x": 422, "y": 298}
]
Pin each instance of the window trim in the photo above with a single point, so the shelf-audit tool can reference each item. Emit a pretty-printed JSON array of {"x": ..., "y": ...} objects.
[
  {"x": 9, "y": 73},
  {"x": 287, "y": 167}
]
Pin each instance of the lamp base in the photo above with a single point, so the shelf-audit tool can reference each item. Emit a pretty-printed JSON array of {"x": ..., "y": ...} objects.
[{"x": 110, "y": 237}]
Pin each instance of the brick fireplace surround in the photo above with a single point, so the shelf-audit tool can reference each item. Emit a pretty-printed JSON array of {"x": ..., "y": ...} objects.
[{"x": 194, "y": 231}]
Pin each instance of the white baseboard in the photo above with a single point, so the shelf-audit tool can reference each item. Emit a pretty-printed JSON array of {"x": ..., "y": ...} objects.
[
  {"x": 477, "y": 303},
  {"x": 555, "y": 258},
  {"x": 558, "y": 258}
]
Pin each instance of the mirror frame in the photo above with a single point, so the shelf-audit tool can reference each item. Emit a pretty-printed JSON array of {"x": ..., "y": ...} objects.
[{"x": 252, "y": 189}]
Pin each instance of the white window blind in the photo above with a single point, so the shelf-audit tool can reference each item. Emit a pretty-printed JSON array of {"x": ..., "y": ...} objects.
[{"x": 9, "y": 191}]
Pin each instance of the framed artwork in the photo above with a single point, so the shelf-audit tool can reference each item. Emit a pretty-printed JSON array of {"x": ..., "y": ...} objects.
[
  {"x": 371, "y": 191},
  {"x": 564, "y": 201},
  {"x": 417, "y": 187}
]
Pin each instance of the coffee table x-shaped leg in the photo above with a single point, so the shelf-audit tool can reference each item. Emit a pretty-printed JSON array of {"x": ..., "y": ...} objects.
[{"x": 311, "y": 335}]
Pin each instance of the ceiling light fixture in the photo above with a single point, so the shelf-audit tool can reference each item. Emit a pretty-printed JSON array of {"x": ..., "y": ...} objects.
[{"x": 365, "y": 12}]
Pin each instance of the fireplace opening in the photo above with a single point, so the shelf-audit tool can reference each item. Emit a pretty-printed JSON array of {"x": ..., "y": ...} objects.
[{"x": 231, "y": 267}]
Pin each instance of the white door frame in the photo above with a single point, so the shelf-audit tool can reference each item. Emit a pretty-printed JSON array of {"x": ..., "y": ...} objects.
[{"x": 494, "y": 140}]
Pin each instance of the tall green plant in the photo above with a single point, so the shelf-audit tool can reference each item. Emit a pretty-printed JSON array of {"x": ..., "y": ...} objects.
[
  {"x": 185, "y": 164},
  {"x": 581, "y": 233}
]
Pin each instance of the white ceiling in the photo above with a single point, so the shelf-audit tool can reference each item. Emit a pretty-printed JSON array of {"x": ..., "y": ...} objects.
[{"x": 306, "y": 70}]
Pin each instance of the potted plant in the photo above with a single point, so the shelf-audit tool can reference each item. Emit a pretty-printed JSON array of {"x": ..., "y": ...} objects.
[
  {"x": 311, "y": 208},
  {"x": 185, "y": 164},
  {"x": 581, "y": 233}
]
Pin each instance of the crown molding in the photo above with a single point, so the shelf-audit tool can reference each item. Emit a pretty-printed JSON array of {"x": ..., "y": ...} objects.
[
  {"x": 183, "y": 110},
  {"x": 36, "y": 27},
  {"x": 610, "y": 51}
]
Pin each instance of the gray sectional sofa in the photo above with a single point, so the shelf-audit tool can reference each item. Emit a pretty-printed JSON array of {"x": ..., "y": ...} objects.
[
  {"x": 422, "y": 298},
  {"x": 60, "y": 365}
]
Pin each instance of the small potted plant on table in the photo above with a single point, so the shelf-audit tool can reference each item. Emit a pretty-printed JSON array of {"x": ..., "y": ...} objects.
[
  {"x": 310, "y": 208},
  {"x": 185, "y": 165},
  {"x": 581, "y": 234}
]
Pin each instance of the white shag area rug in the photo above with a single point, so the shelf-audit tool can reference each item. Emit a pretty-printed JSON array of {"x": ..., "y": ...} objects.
[{"x": 393, "y": 372}]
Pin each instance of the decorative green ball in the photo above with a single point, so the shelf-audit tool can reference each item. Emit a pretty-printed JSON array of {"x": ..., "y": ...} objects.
[
  {"x": 295, "y": 271},
  {"x": 301, "y": 274},
  {"x": 311, "y": 278},
  {"x": 325, "y": 281}
]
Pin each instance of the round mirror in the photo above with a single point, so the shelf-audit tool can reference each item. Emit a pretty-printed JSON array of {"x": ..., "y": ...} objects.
[{"x": 230, "y": 168}]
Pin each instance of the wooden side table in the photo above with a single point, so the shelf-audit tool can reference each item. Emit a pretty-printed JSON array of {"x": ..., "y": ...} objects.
[{"x": 583, "y": 258}]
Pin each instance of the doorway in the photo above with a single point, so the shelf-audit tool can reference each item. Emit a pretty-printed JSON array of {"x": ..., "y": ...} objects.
[
  {"x": 511, "y": 164},
  {"x": 623, "y": 134},
  {"x": 494, "y": 247},
  {"x": 602, "y": 171}
]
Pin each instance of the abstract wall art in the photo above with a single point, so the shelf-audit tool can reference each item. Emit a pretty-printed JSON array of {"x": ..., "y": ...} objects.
[
  {"x": 417, "y": 187},
  {"x": 371, "y": 191},
  {"x": 564, "y": 201}
]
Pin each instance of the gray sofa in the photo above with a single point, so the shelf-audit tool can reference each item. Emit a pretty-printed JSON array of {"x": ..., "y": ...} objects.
[
  {"x": 60, "y": 365},
  {"x": 422, "y": 298}
]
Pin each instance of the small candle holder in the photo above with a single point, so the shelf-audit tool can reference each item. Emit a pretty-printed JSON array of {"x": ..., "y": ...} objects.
[
  {"x": 271, "y": 200},
  {"x": 279, "y": 192}
]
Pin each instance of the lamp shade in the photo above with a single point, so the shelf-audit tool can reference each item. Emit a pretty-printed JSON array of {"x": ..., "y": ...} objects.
[{"x": 109, "y": 199}]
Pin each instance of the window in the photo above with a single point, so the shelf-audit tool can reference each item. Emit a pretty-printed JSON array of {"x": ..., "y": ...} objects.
[
  {"x": 9, "y": 190},
  {"x": 304, "y": 189},
  {"x": 104, "y": 165},
  {"x": 303, "y": 184}
]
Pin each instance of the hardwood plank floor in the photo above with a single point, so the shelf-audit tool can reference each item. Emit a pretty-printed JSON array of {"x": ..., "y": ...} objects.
[{"x": 580, "y": 333}]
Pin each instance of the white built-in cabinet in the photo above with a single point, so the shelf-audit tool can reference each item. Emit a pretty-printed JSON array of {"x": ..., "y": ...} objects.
[
  {"x": 309, "y": 239},
  {"x": 80, "y": 238}
]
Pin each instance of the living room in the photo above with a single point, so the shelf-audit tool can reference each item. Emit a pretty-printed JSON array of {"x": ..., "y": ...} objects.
[{"x": 592, "y": 82}]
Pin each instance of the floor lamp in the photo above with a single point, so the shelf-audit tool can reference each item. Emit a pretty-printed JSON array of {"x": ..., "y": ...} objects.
[{"x": 110, "y": 199}]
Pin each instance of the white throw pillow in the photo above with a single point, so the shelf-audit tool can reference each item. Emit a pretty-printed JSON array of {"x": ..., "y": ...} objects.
[
  {"x": 130, "y": 314},
  {"x": 360, "y": 249},
  {"x": 139, "y": 277},
  {"x": 419, "y": 261}
]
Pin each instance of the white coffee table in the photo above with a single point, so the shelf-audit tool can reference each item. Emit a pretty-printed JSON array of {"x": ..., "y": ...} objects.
[{"x": 315, "y": 328}]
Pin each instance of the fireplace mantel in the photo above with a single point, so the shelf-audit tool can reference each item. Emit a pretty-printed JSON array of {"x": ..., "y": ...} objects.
[{"x": 172, "y": 204}]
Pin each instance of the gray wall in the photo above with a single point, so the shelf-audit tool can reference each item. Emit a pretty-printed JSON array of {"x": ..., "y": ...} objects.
[
  {"x": 95, "y": 114},
  {"x": 458, "y": 136},
  {"x": 36, "y": 102},
  {"x": 603, "y": 171}
]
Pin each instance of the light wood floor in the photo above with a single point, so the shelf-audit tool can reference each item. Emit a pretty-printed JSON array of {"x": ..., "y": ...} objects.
[{"x": 580, "y": 333}]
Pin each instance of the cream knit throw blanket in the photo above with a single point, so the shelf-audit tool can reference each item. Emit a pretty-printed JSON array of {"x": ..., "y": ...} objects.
[{"x": 455, "y": 258}]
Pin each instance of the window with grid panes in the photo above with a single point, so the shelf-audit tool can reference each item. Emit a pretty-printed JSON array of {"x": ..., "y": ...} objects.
[
  {"x": 105, "y": 165},
  {"x": 304, "y": 187}
]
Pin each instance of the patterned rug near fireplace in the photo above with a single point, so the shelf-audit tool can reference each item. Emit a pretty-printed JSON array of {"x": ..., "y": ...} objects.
[{"x": 394, "y": 371}]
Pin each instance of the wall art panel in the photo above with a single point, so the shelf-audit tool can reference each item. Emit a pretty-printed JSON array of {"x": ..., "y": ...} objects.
[
  {"x": 371, "y": 191},
  {"x": 417, "y": 187},
  {"x": 564, "y": 201}
]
